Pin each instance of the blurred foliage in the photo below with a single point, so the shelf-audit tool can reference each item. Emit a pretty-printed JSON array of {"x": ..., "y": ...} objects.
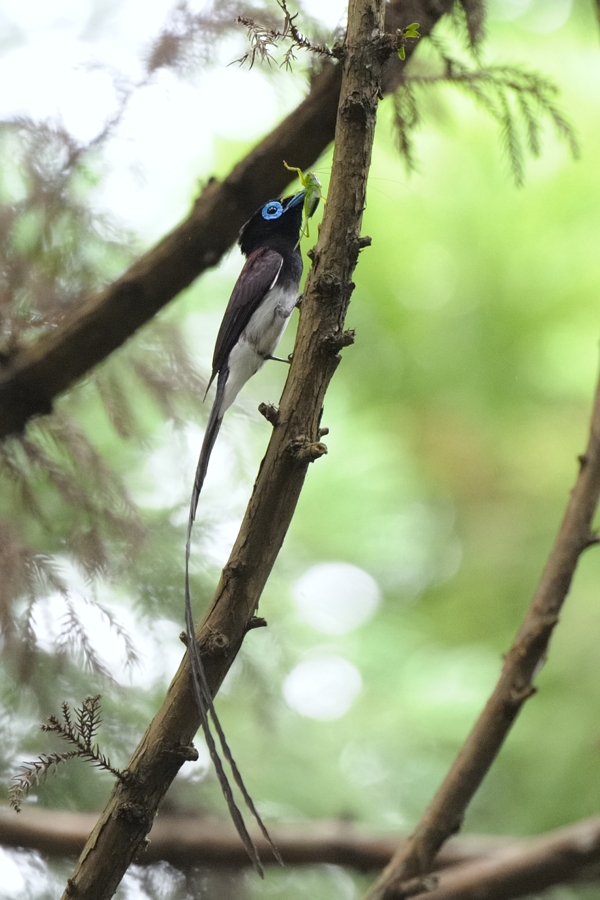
[
  {"x": 67, "y": 521},
  {"x": 455, "y": 422},
  {"x": 516, "y": 99}
]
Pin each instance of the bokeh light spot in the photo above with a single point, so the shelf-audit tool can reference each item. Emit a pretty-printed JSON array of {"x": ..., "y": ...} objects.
[
  {"x": 323, "y": 687},
  {"x": 336, "y": 597}
]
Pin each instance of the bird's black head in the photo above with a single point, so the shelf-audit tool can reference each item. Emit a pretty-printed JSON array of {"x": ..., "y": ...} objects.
[{"x": 276, "y": 224}]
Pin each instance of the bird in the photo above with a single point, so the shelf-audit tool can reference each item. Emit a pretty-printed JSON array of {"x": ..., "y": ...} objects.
[{"x": 260, "y": 306}]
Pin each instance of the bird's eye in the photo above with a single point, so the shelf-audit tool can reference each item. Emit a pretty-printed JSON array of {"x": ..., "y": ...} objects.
[{"x": 272, "y": 210}]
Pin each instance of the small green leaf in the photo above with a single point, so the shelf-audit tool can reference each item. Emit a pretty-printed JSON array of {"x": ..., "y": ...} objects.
[
  {"x": 402, "y": 53},
  {"x": 412, "y": 30}
]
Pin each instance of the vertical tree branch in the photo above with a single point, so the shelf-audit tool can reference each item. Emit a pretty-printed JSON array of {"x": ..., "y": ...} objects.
[
  {"x": 128, "y": 816},
  {"x": 444, "y": 815}
]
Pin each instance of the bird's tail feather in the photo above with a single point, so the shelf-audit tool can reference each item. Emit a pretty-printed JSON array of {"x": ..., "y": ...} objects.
[
  {"x": 210, "y": 435},
  {"x": 201, "y": 689}
]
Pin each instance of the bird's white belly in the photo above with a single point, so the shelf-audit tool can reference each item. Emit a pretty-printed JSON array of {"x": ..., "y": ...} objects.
[
  {"x": 258, "y": 340},
  {"x": 268, "y": 322}
]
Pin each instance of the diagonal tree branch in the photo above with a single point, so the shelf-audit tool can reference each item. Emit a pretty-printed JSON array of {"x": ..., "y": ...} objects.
[
  {"x": 31, "y": 380},
  {"x": 128, "y": 816},
  {"x": 36, "y": 375},
  {"x": 444, "y": 815},
  {"x": 524, "y": 868}
]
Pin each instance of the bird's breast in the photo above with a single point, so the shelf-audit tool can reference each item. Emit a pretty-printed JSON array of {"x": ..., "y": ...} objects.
[
  {"x": 258, "y": 340},
  {"x": 267, "y": 323}
]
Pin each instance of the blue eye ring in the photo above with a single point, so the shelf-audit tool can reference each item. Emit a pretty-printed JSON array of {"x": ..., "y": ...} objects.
[{"x": 272, "y": 210}]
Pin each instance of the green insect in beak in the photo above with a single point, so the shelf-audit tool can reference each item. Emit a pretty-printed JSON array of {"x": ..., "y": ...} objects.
[{"x": 311, "y": 184}]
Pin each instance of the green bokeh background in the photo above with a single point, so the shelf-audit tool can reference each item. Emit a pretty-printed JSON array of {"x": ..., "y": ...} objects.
[{"x": 455, "y": 422}]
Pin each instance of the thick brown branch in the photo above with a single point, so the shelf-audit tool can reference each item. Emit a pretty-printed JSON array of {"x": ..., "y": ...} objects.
[
  {"x": 128, "y": 816},
  {"x": 191, "y": 841},
  {"x": 444, "y": 815},
  {"x": 471, "y": 867},
  {"x": 36, "y": 375}
]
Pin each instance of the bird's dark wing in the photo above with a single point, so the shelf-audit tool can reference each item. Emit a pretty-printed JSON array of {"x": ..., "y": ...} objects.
[{"x": 256, "y": 278}]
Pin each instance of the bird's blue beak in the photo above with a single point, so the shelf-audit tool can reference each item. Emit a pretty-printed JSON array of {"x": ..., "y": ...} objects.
[{"x": 297, "y": 200}]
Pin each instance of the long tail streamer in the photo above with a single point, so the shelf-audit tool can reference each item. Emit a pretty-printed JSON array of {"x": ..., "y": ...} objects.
[{"x": 202, "y": 693}]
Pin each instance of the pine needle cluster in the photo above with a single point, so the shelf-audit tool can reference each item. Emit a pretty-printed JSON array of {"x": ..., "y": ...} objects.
[
  {"x": 79, "y": 728},
  {"x": 265, "y": 40},
  {"x": 62, "y": 501},
  {"x": 519, "y": 101}
]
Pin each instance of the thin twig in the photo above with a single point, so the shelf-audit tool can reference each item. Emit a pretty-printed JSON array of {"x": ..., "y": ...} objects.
[
  {"x": 444, "y": 815},
  {"x": 263, "y": 40}
]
